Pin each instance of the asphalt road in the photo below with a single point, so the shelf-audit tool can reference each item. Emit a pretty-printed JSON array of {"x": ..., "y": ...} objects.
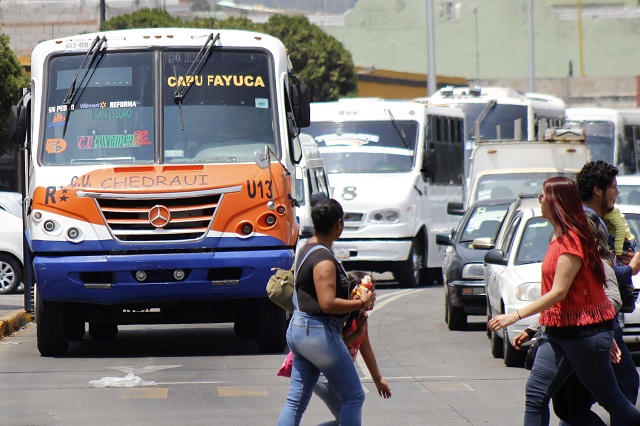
[{"x": 204, "y": 375}]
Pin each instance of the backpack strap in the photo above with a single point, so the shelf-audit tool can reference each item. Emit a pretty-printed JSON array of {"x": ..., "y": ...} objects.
[{"x": 295, "y": 272}]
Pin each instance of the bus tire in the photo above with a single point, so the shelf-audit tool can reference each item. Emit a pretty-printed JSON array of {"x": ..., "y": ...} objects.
[
  {"x": 271, "y": 327},
  {"x": 410, "y": 273},
  {"x": 103, "y": 332},
  {"x": 76, "y": 330},
  {"x": 51, "y": 328}
]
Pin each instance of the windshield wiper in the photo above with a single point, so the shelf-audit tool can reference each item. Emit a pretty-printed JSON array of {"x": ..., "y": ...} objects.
[
  {"x": 73, "y": 89},
  {"x": 483, "y": 116},
  {"x": 194, "y": 70},
  {"x": 398, "y": 130}
]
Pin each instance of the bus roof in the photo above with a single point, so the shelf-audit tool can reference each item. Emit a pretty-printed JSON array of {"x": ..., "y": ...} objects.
[
  {"x": 366, "y": 109},
  {"x": 585, "y": 113}
]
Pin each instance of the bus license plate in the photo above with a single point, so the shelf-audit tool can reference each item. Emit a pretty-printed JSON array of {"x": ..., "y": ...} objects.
[{"x": 341, "y": 254}]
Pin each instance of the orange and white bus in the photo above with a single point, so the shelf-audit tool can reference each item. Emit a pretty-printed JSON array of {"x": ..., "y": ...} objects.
[{"x": 159, "y": 183}]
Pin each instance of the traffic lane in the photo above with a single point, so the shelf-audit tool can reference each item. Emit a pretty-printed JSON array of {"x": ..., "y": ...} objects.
[{"x": 203, "y": 372}]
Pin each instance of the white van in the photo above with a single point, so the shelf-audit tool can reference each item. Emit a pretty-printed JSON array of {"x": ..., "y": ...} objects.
[
  {"x": 393, "y": 166},
  {"x": 504, "y": 169},
  {"x": 312, "y": 185}
]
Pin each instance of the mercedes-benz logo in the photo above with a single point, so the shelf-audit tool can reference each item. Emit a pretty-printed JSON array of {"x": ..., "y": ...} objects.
[{"x": 159, "y": 216}]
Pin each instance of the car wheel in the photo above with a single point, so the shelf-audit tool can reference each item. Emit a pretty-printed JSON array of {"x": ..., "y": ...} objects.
[
  {"x": 512, "y": 356},
  {"x": 10, "y": 274},
  {"x": 409, "y": 273},
  {"x": 496, "y": 346},
  {"x": 457, "y": 318},
  {"x": 446, "y": 306},
  {"x": 102, "y": 332}
]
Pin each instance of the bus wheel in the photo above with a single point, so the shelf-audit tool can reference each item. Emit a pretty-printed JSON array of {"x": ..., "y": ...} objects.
[
  {"x": 51, "y": 328},
  {"x": 271, "y": 327},
  {"x": 76, "y": 330},
  {"x": 102, "y": 332},
  {"x": 246, "y": 324},
  {"x": 409, "y": 273}
]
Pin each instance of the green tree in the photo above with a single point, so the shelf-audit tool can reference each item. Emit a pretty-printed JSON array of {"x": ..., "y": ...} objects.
[
  {"x": 318, "y": 59},
  {"x": 143, "y": 18},
  {"x": 13, "y": 79}
]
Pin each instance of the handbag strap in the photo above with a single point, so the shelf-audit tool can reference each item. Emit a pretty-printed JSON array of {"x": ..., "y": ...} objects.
[{"x": 296, "y": 269}]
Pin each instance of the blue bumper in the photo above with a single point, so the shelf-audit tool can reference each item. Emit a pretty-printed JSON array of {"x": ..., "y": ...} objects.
[{"x": 110, "y": 279}]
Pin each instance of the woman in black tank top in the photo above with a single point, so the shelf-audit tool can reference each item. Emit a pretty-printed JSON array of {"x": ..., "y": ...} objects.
[{"x": 315, "y": 331}]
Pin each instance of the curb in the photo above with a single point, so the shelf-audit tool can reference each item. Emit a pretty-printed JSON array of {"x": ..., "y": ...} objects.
[{"x": 13, "y": 321}]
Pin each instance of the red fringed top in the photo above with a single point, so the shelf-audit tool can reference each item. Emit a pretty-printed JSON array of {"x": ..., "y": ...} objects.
[{"x": 586, "y": 302}]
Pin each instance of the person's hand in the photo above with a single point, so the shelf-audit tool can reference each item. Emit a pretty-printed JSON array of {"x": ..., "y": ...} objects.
[
  {"x": 383, "y": 388},
  {"x": 625, "y": 257},
  {"x": 634, "y": 262},
  {"x": 615, "y": 354},
  {"x": 366, "y": 296},
  {"x": 520, "y": 339},
  {"x": 501, "y": 321}
]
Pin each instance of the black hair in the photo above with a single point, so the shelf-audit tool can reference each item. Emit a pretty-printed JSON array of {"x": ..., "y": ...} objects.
[
  {"x": 595, "y": 173},
  {"x": 355, "y": 277},
  {"x": 325, "y": 214}
]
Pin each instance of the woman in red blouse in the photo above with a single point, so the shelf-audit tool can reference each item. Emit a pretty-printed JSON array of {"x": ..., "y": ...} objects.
[{"x": 575, "y": 312}]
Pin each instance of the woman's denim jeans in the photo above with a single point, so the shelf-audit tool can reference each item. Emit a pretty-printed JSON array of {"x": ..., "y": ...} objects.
[
  {"x": 318, "y": 348},
  {"x": 589, "y": 358}
]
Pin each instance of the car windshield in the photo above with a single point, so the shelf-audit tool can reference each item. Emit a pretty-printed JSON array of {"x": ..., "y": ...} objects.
[
  {"x": 633, "y": 220},
  {"x": 366, "y": 147},
  {"x": 484, "y": 222},
  {"x": 508, "y": 185},
  {"x": 535, "y": 240},
  {"x": 629, "y": 194}
]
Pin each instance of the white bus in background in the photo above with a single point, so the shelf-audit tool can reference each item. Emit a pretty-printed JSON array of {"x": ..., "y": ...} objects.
[
  {"x": 500, "y": 113},
  {"x": 611, "y": 135},
  {"x": 312, "y": 185},
  {"x": 394, "y": 166}
]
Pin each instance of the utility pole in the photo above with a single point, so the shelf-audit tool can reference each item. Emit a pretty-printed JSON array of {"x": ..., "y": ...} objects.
[
  {"x": 103, "y": 11},
  {"x": 431, "y": 54},
  {"x": 531, "y": 51}
]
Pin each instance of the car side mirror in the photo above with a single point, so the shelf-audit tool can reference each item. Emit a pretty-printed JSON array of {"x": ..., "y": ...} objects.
[
  {"x": 495, "y": 257},
  {"x": 485, "y": 243},
  {"x": 443, "y": 240},
  {"x": 455, "y": 208}
]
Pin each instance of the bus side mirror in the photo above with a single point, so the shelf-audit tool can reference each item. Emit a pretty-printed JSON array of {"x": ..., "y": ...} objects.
[
  {"x": 20, "y": 120},
  {"x": 300, "y": 102}
]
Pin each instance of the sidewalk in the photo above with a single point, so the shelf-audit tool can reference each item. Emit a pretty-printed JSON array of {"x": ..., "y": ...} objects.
[{"x": 12, "y": 314}]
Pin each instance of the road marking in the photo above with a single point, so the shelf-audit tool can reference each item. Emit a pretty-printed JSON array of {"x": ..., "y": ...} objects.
[
  {"x": 143, "y": 393},
  {"x": 224, "y": 391},
  {"x": 448, "y": 387},
  {"x": 380, "y": 303},
  {"x": 140, "y": 370}
]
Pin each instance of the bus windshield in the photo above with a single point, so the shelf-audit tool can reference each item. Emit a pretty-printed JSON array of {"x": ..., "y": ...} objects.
[
  {"x": 366, "y": 147},
  {"x": 113, "y": 119},
  {"x": 500, "y": 115},
  {"x": 600, "y": 138}
]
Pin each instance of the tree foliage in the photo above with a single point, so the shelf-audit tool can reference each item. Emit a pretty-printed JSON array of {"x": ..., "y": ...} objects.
[
  {"x": 13, "y": 79},
  {"x": 318, "y": 59}
]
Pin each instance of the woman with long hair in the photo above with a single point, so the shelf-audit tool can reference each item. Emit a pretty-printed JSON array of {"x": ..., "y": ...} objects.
[{"x": 575, "y": 311}]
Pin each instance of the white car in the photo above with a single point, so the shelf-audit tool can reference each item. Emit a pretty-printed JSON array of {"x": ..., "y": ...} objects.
[
  {"x": 11, "y": 263},
  {"x": 631, "y": 322},
  {"x": 513, "y": 273}
]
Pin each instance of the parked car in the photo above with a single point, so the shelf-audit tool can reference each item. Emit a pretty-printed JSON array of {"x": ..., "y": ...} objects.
[
  {"x": 11, "y": 263},
  {"x": 463, "y": 268},
  {"x": 629, "y": 188},
  {"x": 11, "y": 202},
  {"x": 631, "y": 322},
  {"x": 513, "y": 273}
]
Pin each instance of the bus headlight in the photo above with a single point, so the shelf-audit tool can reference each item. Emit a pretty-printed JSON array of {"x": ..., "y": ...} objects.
[{"x": 385, "y": 216}]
